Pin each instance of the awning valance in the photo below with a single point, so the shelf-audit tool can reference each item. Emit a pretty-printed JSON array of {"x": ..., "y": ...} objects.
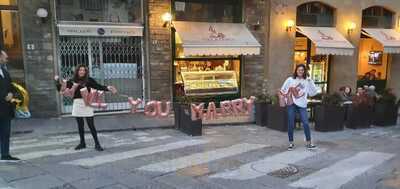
[
  {"x": 327, "y": 40},
  {"x": 389, "y": 38},
  {"x": 208, "y": 39}
]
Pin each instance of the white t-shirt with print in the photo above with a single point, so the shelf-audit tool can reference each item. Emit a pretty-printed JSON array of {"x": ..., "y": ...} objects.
[{"x": 306, "y": 86}]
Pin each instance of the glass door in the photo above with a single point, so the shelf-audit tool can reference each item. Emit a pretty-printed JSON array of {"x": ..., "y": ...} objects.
[{"x": 318, "y": 64}]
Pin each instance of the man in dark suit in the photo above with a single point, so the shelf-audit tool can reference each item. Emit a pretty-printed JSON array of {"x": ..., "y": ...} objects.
[{"x": 6, "y": 108}]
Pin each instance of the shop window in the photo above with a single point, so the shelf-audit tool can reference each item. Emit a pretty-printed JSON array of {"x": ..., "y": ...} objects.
[
  {"x": 373, "y": 62},
  {"x": 8, "y": 2},
  {"x": 207, "y": 77},
  {"x": 116, "y": 11},
  {"x": 377, "y": 17},
  {"x": 208, "y": 10},
  {"x": 315, "y": 14}
]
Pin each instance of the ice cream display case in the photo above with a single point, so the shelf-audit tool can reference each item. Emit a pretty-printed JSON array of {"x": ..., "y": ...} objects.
[{"x": 209, "y": 82}]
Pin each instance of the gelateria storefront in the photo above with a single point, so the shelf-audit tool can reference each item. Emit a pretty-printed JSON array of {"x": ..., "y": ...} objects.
[
  {"x": 315, "y": 46},
  {"x": 208, "y": 59}
]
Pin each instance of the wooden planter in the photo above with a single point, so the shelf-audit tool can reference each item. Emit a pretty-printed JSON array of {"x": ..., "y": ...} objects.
[
  {"x": 277, "y": 118},
  {"x": 360, "y": 116},
  {"x": 329, "y": 118},
  {"x": 261, "y": 114},
  {"x": 385, "y": 114},
  {"x": 184, "y": 122},
  {"x": 177, "y": 117}
]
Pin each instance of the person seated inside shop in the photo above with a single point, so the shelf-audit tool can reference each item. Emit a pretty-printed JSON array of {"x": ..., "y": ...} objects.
[{"x": 371, "y": 75}]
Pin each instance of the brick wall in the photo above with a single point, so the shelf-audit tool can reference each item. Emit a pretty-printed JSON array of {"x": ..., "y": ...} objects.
[
  {"x": 254, "y": 65},
  {"x": 160, "y": 58}
]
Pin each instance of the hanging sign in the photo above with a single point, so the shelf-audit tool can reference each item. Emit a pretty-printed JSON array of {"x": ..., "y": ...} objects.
[{"x": 99, "y": 30}]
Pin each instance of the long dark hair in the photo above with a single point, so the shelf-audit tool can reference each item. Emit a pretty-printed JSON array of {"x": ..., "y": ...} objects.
[
  {"x": 305, "y": 75},
  {"x": 81, "y": 80},
  {"x": 343, "y": 90}
]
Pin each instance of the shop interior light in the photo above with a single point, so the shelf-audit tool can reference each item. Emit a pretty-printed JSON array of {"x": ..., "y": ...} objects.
[
  {"x": 350, "y": 28},
  {"x": 289, "y": 25}
]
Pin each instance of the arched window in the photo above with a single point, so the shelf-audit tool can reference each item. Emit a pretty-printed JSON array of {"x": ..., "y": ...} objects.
[
  {"x": 208, "y": 10},
  {"x": 377, "y": 17},
  {"x": 315, "y": 14}
]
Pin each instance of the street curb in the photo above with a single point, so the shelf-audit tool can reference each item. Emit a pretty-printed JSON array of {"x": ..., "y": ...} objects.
[{"x": 129, "y": 129}]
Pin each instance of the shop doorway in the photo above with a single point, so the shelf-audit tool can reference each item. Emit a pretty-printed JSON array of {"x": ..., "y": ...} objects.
[
  {"x": 313, "y": 14},
  {"x": 318, "y": 64},
  {"x": 113, "y": 61}
]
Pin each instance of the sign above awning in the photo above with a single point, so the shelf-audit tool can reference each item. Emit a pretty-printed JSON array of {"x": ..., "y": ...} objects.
[
  {"x": 209, "y": 39},
  {"x": 70, "y": 29},
  {"x": 389, "y": 38},
  {"x": 327, "y": 40}
]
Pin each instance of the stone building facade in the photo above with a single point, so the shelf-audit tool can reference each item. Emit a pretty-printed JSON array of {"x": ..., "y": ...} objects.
[
  {"x": 39, "y": 63},
  {"x": 266, "y": 20}
]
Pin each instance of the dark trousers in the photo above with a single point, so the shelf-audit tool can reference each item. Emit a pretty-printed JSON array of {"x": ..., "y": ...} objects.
[
  {"x": 81, "y": 128},
  {"x": 5, "y": 130}
]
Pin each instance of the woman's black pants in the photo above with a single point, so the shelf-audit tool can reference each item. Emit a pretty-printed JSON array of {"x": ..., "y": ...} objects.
[{"x": 81, "y": 128}]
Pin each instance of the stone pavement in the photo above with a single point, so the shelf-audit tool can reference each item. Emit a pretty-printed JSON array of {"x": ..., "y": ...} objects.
[
  {"x": 104, "y": 123},
  {"x": 226, "y": 157}
]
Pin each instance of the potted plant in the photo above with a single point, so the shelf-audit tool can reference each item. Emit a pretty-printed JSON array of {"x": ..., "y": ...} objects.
[
  {"x": 263, "y": 100},
  {"x": 277, "y": 116},
  {"x": 360, "y": 113},
  {"x": 183, "y": 117},
  {"x": 386, "y": 109},
  {"x": 329, "y": 116}
]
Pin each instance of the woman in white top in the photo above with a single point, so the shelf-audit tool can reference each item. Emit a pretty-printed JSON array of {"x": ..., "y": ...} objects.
[{"x": 301, "y": 87}]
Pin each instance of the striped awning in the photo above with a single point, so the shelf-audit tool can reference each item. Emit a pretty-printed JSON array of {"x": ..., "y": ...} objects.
[
  {"x": 210, "y": 39},
  {"x": 389, "y": 38},
  {"x": 327, "y": 40}
]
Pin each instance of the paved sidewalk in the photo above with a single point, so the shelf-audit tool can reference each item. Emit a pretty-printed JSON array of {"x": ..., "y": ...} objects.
[{"x": 104, "y": 123}]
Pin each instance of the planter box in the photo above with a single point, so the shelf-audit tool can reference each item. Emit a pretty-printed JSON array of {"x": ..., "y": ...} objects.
[
  {"x": 385, "y": 114},
  {"x": 360, "y": 116},
  {"x": 261, "y": 114},
  {"x": 184, "y": 122},
  {"x": 177, "y": 117},
  {"x": 277, "y": 118},
  {"x": 329, "y": 118}
]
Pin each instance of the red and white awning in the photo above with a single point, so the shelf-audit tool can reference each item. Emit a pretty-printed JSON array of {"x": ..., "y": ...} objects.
[
  {"x": 209, "y": 39},
  {"x": 389, "y": 38},
  {"x": 327, "y": 40}
]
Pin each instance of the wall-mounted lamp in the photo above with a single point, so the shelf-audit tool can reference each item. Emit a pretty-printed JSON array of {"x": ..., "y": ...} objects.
[
  {"x": 42, "y": 14},
  {"x": 289, "y": 25},
  {"x": 351, "y": 26},
  {"x": 167, "y": 19}
]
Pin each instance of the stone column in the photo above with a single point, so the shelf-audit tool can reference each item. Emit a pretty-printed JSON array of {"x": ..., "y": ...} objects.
[
  {"x": 160, "y": 53},
  {"x": 255, "y": 17},
  {"x": 39, "y": 60}
]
